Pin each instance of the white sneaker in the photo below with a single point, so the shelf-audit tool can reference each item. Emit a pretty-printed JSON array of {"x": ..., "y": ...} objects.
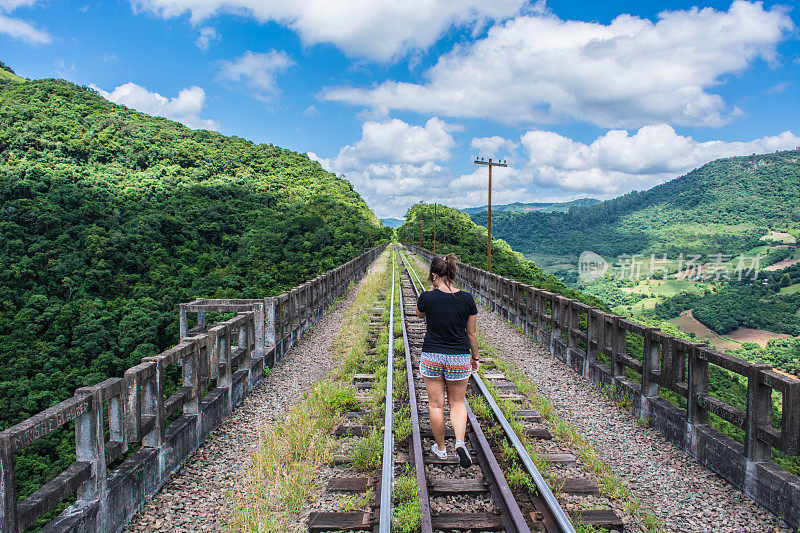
[
  {"x": 441, "y": 454},
  {"x": 463, "y": 454}
]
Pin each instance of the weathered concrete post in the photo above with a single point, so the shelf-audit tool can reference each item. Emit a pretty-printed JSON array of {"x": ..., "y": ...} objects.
[
  {"x": 650, "y": 355},
  {"x": 183, "y": 323},
  {"x": 247, "y": 360},
  {"x": 555, "y": 323},
  {"x": 572, "y": 320},
  {"x": 90, "y": 447},
  {"x": 269, "y": 331},
  {"x": 618, "y": 346},
  {"x": 191, "y": 378},
  {"x": 153, "y": 404},
  {"x": 133, "y": 405},
  {"x": 698, "y": 387},
  {"x": 759, "y": 413},
  {"x": 594, "y": 333},
  {"x": 8, "y": 504},
  {"x": 221, "y": 337}
]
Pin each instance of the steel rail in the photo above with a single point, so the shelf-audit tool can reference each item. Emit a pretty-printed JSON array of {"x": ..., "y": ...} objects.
[
  {"x": 387, "y": 464},
  {"x": 413, "y": 275},
  {"x": 513, "y": 518},
  {"x": 416, "y": 457},
  {"x": 546, "y": 494}
]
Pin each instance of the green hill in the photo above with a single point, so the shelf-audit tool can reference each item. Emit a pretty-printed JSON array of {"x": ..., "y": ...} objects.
[
  {"x": 541, "y": 207},
  {"x": 111, "y": 217},
  {"x": 392, "y": 222},
  {"x": 456, "y": 233},
  {"x": 722, "y": 207},
  {"x": 8, "y": 74}
]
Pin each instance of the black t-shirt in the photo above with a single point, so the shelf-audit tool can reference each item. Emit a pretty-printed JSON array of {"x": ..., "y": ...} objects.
[{"x": 446, "y": 315}]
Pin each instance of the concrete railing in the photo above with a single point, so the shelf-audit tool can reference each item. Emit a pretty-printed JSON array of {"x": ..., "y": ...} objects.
[
  {"x": 596, "y": 345},
  {"x": 217, "y": 366}
]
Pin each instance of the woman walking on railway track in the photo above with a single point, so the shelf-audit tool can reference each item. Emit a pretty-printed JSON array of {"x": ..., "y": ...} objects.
[{"x": 446, "y": 364}]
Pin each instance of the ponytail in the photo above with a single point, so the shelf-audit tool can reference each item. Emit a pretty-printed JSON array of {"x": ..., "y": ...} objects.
[
  {"x": 444, "y": 267},
  {"x": 450, "y": 263}
]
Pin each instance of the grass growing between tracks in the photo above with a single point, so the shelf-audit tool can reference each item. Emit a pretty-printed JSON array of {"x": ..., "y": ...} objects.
[
  {"x": 281, "y": 476},
  {"x": 406, "y": 516},
  {"x": 610, "y": 484}
]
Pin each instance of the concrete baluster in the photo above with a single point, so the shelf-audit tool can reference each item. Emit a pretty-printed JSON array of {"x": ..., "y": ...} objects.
[
  {"x": 153, "y": 403},
  {"x": 191, "y": 378},
  {"x": 697, "y": 388},
  {"x": 90, "y": 447},
  {"x": 183, "y": 322},
  {"x": 759, "y": 413},
  {"x": 619, "y": 346},
  {"x": 650, "y": 357},
  {"x": 269, "y": 332},
  {"x": 8, "y": 503}
]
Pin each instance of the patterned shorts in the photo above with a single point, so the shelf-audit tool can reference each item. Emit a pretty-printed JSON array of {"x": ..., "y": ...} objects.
[{"x": 453, "y": 367}]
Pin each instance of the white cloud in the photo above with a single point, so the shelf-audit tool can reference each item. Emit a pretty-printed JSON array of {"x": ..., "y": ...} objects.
[
  {"x": 257, "y": 71},
  {"x": 207, "y": 35},
  {"x": 778, "y": 88},
  {"x": 493, "y": 146},
  {"x": 396, "y": 164},
  {"x": 184, "y": 108},
  {"x": 24, "y": 31},
  {"x": 618, "y": 162},
  {"x": 379, "y": 29},
  {"x": 629, "y": 73},
  {"x": 11, "y": 5},
  {"x": 399, "y": 142}
]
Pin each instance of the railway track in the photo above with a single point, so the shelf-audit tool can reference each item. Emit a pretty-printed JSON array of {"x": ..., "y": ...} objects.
[
  {"x": 485, "y": 499},
  {"x": 450, "y": 498}
]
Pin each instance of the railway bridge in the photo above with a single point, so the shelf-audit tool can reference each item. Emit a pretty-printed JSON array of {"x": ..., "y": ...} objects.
[{"x": 579, "y": 420}]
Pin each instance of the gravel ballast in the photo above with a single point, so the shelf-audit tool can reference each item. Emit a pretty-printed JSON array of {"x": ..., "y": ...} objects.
[
  {"x": 198, "y": 496},
  {"x": 680, "y": 492}
]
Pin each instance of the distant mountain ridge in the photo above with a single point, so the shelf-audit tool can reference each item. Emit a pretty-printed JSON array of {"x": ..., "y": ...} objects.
[
  {"x": 392, "y": 222},
  {"x": 721, "y": 207},
  {"x": 542, "y": 207}
]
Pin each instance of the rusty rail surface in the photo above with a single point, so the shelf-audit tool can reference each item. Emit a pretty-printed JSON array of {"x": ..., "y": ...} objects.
[
  {"x": 595, "y": 344},
  {"x": 218, "y": 366}
]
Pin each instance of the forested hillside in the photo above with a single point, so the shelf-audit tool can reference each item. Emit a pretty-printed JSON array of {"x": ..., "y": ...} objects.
[
  {"x": 541, "y": 207},
  {"x": 724, "y": 206},
  {"x": 110, "y": 218},
  {"x": 456, "y": 233}
]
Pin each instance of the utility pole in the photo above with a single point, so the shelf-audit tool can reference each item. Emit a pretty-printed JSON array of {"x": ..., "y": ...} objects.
[
  {"x": 490, "y": 164},
  {"x": 434, "y": 229}
]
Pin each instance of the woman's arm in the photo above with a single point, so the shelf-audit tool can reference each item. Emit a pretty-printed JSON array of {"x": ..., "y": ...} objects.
[
  {"x": 420, "y": 314},
  {"x": 472, "y": 333}
]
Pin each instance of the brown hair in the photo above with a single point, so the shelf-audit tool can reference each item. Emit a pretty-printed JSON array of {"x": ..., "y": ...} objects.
[{"x": 444, "y": 267}]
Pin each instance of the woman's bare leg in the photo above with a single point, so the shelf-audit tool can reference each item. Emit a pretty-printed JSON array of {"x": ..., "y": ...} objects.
[
  {"x": 435, "y": 388},
  {"x": 456, "y": 392}
]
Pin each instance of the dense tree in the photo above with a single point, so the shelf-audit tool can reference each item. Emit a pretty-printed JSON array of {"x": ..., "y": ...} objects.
[{"x": 109, "y": 218}]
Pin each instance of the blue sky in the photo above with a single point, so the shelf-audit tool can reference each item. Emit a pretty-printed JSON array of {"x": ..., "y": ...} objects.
[{"x": 582, "y": 99}]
